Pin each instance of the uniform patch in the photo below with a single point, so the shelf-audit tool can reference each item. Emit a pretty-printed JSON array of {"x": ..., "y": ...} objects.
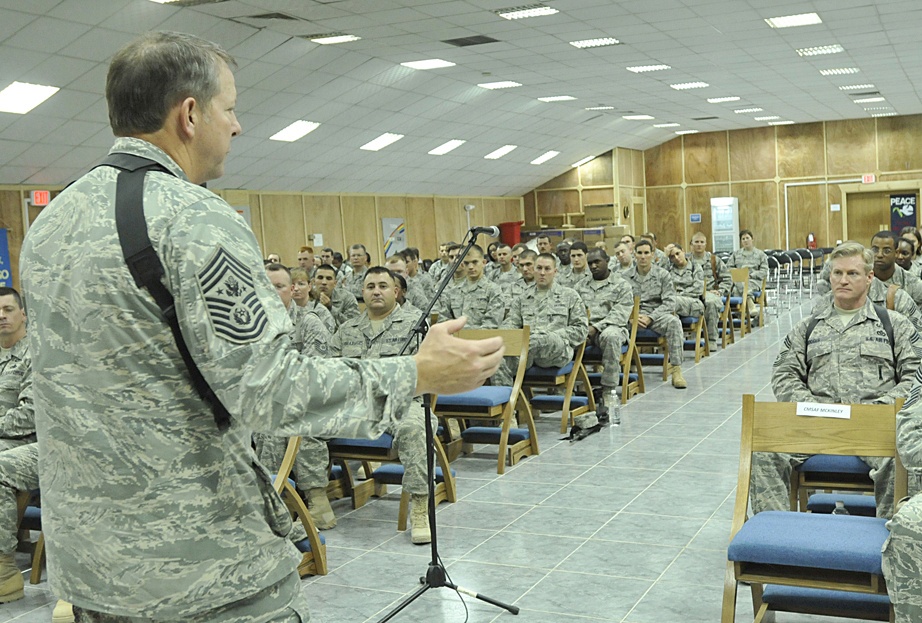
[{"x": 230, "y": 298}]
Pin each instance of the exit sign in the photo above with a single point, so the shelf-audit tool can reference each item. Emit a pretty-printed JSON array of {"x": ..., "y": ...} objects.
[
  {"x": 40, "y": 197},
  {"x": 868, "y": 178}
]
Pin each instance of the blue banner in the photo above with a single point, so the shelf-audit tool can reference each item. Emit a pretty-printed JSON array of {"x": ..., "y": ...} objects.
[
  {"x": 6, "y": 271},
  {"x": 902, "y": 211}
]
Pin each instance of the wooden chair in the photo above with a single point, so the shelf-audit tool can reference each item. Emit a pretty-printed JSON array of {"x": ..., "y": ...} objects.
[
  {"x": 726, "y": 330},
  {"x": 569, "y": 404},
  {"x": 313, "y": 548},
  {"x": 649, "y": 340},
  {"x": 824, "y": 472},
  {"x": 696, "y": 335},
  {"x": 494, "y": 405},
  {"x": 739, "y": 305},
  {"x": 804, "y": 556},
  {"x": 631, "y": 382},
  {"x": 761, "y": 300},
  {"x": 30, "y": 518}
]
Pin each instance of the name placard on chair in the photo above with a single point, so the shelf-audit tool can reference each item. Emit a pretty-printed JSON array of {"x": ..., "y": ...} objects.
[{"x": 816, "y": 409}]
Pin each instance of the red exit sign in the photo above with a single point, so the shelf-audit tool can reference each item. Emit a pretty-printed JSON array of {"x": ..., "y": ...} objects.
[
  {"x": 868, "y": 178},
  {"x": 40, "y": 197}
]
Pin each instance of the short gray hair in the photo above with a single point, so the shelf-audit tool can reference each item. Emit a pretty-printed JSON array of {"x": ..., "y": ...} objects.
[{"x": 854, "y": 249}]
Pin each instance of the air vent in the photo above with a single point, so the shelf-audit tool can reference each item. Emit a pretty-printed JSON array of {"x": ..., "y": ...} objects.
[
  {"x": 268, "y": 16},
  {"x": 704, "y": 118},
  {"x": 464, "y": 42}
]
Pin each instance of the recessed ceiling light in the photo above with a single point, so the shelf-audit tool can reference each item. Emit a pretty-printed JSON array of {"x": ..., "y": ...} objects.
[
  {"x": 432, "y": 63},
  {"x": 294, "y": 131},
  {"x": 780, "y": 123},
  {"x": 820, "y": 50},
  {"x": 686, "y": 131},
  {"x": 640, "y": 69},
  {"x": 855, "y": 87},
  {"x": 771, "y": 118},
  {"x": 333, "y": 38},
  {"x": 557, "y": 98},
  {"x": 504, "y": 84},
  {"x": 741, "y": 111},
  {"x": 637, "y": 117},
  {"x": 601, "y": 108},
  {"x": 884, "y": 114},
  {"x": 595, "y": 43},
  {"x": 583, "y": 161},
  {"x": 21, "y": 97},
  {"x": 788, "y": 21},
  {"x": 682, "y": 86},
  {"x": 721, "y": 100},
  {"x": 870, "y": 108},
  {"x": 499, "y": 153},
  {"x": 840, "y": 71},
  {"x": 545, "y": 157},
  {"x": 381, "y": 142},
  {"x": 444, "y": 148},
  {"x": 666, "y": 125},
  {"x": 530, "y": 10},
  {"x": 869, "y": 100}
]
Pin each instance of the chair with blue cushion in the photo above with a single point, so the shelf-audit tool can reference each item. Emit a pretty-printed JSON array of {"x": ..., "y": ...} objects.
[
  {"x": 30, "y": 519},
  {"x": 787, "y": 549},
  {"x": 825, "y": 472},
  {"x": 761, "y": 299},
  {"x": 569, "y": 403},
  {"x": 392, "y": 474},
  {"x": 739, "y": 305},
  {"x": 696, "y": 334},
  {"x": 494, "y": 406},
  {"x": 631, "y": 367},
  {"x": 649, "y": 341},
  {"x": 313, "y": 549}
]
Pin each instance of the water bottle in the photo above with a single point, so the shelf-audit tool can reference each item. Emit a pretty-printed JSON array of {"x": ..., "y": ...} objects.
[{"x": 840, "y": 508}]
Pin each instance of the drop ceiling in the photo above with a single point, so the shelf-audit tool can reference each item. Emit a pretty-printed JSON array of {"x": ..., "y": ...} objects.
[{"x": 359, "y": 90}]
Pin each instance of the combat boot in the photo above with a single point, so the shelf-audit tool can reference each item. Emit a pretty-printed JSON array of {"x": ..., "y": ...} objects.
[
  {"x": 63, "y": 612},
  {"x": 319, "y": 506},
  {"x": 419, "y": 519},
  {"x": 678, "y": 381},
  {"x": 11, "y": 585}
]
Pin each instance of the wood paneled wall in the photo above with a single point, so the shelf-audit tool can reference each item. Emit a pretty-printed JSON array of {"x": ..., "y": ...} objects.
[{"x": 11, "y": 219}]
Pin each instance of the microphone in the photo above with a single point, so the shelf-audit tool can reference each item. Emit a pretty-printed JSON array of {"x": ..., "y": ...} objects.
[{"x": 492, "y": 231}]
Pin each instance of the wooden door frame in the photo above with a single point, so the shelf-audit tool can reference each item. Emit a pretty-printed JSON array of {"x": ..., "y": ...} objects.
[{"x": 877, "y": 187}]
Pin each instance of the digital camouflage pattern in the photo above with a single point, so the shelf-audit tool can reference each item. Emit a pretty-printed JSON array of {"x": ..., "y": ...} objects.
[
  {"x": 902, "y": 278},
  {"x": 354, "y": 282},
  {"x": 689, "y": 285},
  {"x": 658, "y": 301},
  {"x": 610, "y": 302},
  {"x": 572, "y": 279},
  {"x": 877, "y": 293},
  {"x": 343, "y": 306},
  {"x": 722, "y": 282},
  {"x": 757, "y": 263},
  {"x": 318, "y": 309},
  {"x": 18, "y": 472},
  {"x": 480, "y": 301},
  {"x": 191, "y": 519}
]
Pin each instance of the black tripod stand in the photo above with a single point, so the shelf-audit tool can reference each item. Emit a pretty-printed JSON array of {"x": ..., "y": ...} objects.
[{"x": 436, "y": 576}]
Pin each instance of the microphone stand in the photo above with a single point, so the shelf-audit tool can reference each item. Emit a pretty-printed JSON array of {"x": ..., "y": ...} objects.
[{"x": 436, "y": 576}]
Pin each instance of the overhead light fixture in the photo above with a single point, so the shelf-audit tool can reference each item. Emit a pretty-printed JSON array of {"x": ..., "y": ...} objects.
[
  {"x": 331, "y": 38},
  {"x": 381, "y": 142},
  {"x": 721, "y": 100},
  {"x": 884, "y": 114},
  {"x": 582, "y": 162},
  {"x": 595, "y": 43},
  {"x": 600, "y": 108},
  {"x": 780, "y": 123},
  {"x": 789, "y": 21},
  {"x": 820, "y": 50},
  {"x": 496, "y": 154},
  {"x": 682, "y": 86},
  {"x": 741, "y": 111},
  {"x": 294, "y": 131},
  {"x": 771, "y": 118},
  {"x": 637, "y": 117},
  {"x": 641, "y": 69},
  {"x": 869, "y": 100},
  {"x": 855, "y": 87},
  {"x": 680, "y": 132},
  {"x": 432, "y": 63},
  {"x": 21, "y": 97},
  {"x": 164, "y": 1},
  {"x": 444, "y": 148},
  {"x": 666, "y": 125},
  {"x": 870, "y": 108},
  {"x": 529, "y": 10},
  {"x": 545, "y": 157},
  {"x": 504, "y": 84},
  {"x": 839, "y": 71},
  {"x": 557, "y": 98}
]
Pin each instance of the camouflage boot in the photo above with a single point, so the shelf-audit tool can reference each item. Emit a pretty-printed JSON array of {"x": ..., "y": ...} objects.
[
  {"x": 419, "y": 519},
  {"x": 11, "y": 585},
  {"x": 678, "y": 381},
  {"x": 319, "y": 506},
  {"x": 63, "y": 612}
]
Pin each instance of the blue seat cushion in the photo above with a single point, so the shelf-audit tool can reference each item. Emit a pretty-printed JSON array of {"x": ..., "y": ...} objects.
[
  {"x": 336, "y": 472},
  {"x": 392, "y": 474},
  {"x": 486, "y": 396},
  {"x": 687, "y": 321},
  {"x": 807, "y": 540},
  {"x": 834, "y": 463},
  {"x": 535, "y": 373},
  {"x": 651, "y": 359},
  {"x": 647, "y": 334},
  {"x": 594, "y": 352},
  {"x": 800, "y": 599},
  {"x": 690, "y": 344},
  {"x": 490, "y": 434},
  {"x": 385, "y": 441},
  {"x": 734, "y": 300},
  {"x": 756, "y": 293},
  {"x": 863, "y": 505},
  {"x": 32, "y": 518},
  {"x": 544, "y": 402},
  {"x": 304, "y": 545}
]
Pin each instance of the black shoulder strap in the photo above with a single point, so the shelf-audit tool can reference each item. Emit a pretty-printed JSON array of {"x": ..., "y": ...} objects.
[
  {"x": 810, "y": 327},
  {"x": 884, "y": 316},
  {"x": 144, "y": 263}
]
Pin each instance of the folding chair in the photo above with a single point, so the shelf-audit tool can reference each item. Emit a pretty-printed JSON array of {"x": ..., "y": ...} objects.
[
  {"x": 313, "y": 549},
  {"x": 649, "y": 340},
  {"x": 824, "y": 472},
  {"x": 569, "y": 404},
  {"x": 803, "y": 557},
  {"x": 495, "y": 405},
  {"x": 30, "y": 518},
  {"x": 696, "y": 335},
  {"x": 631, "y": 382},
  {"x": 739, "y": 305},
  {"x": 761, "y": 300}
]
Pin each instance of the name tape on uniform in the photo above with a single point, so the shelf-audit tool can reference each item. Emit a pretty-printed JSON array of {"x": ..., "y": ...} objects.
[{"x": 815, "y": 409}]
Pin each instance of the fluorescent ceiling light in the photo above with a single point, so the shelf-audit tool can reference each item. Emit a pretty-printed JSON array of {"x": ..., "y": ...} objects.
[
  {"x": 870, "y": 108},
  {"x": 884, "y": 114},
  {"x": 601, "y": 108},
  {"x": 164, "y": 1},
  {"x": 557, "y": 98},
  {"x": 788, "y": 21},
  {"x": 505, "y": 84},
  {"x": 432, "y": 63},
  {"x": 869, "y": 100},
  {"x": 381, "y": 142},
  {"x": 640, "y": 69},
  {"x": 595, "y": 43},
  {"x": 444, "y": 148},
  {"x": 721, "y": 100},
  {"x": 821, "y": 49},
  {"x": 780, "y": 123},
  {"x": 771, "y": 118},
  {"x": 531, "y": 10},
  {"x": 334, "y": 38},
  {"x": 682, "y": 86},
  {"x": 686, "y": 131},
  {"x": 637, "y": 117},
  {"x": 21, "y": 97},
  {"x": 855, "y": 87},
  {"x": 666, "y": 125},
  {"x": 294, "y": 131},
  {"x": 583, "y": 161},
  {"x": 499, "y": 153},
  {"x": 545, "y": 157},
  {"x": 840, "y": 71},
  {"x": 741, "y": 111}
]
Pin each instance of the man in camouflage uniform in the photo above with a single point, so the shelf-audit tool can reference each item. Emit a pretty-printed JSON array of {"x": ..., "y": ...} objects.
[
  {"x": 437, "y": 270},
  {"x": 378, "y": 333},
  {"x": 847, "y": 359},
  {"x": 688, "y": 279},
  {"x": 339, "y": 301},
  {"x": 883, "y": 246},
  {"x": 657, "y": 306},
  {"x": 306, "y": 261},
  {"x": 458, "y": 278},
  {"x": 526, "y": 267},
  {"x": 717, "y": 281},
  {"x": 412, "y": 295},
  {"x": 503, "y": 272},
  {"x": 478, "y": 298},
  {"x": 193, "y": 529},
  {"x": 416, "y": 279},
  {"x": 610, "y": 301},
  {"x": 577, "y": 272},
  {"x": 623, "y": 259},
  {"x": 358, "y": 260},
  {"x": 18, "y": 450},
  {"x": 659, "y": 256}
]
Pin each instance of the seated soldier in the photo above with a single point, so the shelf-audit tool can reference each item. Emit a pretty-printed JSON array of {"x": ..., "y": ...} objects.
[
  {"x": 359, "y": 260},
  {"x": 526, "y": 267},
  {"x": 659, "y": 256},
  {"x": 883, "y": 246},
  {"x": 688, "y": 279},
  {"x": 623, "y": 260},
  {"x": 502, "y": 271},
  {"x": 905, "y": 253},
  {"x": 437, "y": 270},
  {"x": 610, "y": 300},
  {"x": 748, "y": 256},
  {"x": 416, "y": 279},
  {"x": 657, "y": 306},
  {"x": 410, "y": 292},
  {"x": 302, "y": 303},
  {"x": 478, "y": 298},
  {"x": 337, "y": 300},
  {"x": 717, "y": 278},
  {"x": 379, "y": 332},
  {"x": 577, "y": 271},
  {"x": 458, "y": 277}
]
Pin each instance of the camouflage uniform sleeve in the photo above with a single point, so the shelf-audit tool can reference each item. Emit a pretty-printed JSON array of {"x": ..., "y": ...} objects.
[
  {"x": 723, "y": 274},
  {"x": 760, "y": 271},
  {"x": 909, "y": 428},
  {"x": 622, "y": 303},
  {"x": 316, "y": 337},
  {"x": 577, "y": 321},
  {"x": 822, "y": 281},
  {"x": 908, "y": 347},
  {"x": 667, "y": 298},
  {"x": 19, "y": 421},
  {"x": 789, "y": 373},
  {"x": 914, "y": 289},
  {"x": 514, "y": 318},
  {"x": 904, "y": 304},
  {"x": 266, "y": 386},
  {"x": 496, "y": 312},
  {"x": 350, "y": 307}
]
